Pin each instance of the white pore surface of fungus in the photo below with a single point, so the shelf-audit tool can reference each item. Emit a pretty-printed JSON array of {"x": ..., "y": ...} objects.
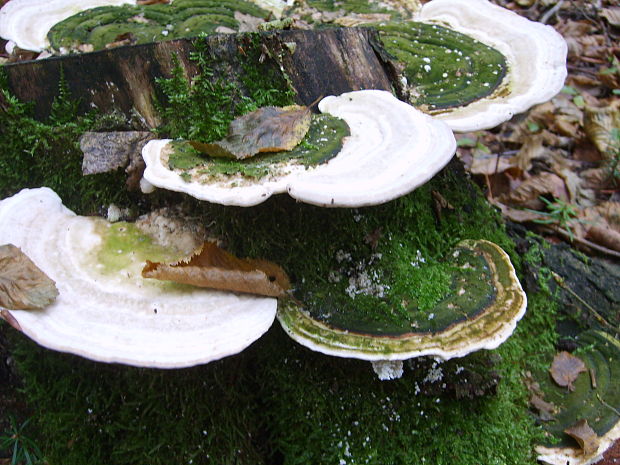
[
  {"x": 535, "y": 54},
  {"x": 27, "y": 22},
  {"x": 120, "y": 317},
  {"x": 393, "y": 148}
]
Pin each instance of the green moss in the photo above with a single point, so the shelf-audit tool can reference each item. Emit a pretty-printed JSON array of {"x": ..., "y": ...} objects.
[
  {"x": 46, "y": 153},
  {"x": 323, "y": 142},
  {"x": 203, "y": 107},
  {"x": 445, "y": 68}
]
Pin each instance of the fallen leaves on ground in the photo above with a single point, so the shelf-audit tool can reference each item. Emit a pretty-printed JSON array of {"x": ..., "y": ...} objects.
[
  {"x": 23, "y": 286},
  {"x": 213, "y": 267},
  {"x": 268, "y": 129},
  {"x": 554, "y": 165},
  {"x": 566, "y": 368}
]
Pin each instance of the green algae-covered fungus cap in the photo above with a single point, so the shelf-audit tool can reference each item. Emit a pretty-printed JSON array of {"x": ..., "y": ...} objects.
[
  {"x": 105, "y": 310},
  {"x": 480, "y": 312},
  {"x": 534, "y": 67},
  {"x": 595, "y": 399},
  {"x": 392, "y": 149}
]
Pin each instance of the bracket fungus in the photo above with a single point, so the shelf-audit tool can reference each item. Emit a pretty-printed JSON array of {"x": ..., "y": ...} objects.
[
  {"x": 105, "y": 310},
  {"x": 535, "y": 59},
  {"x": 27, "y": 22},
  {"x": 590, "y": 413},
  {"x": 392, "y": 149},
  {"x": 480, "y": 312}
]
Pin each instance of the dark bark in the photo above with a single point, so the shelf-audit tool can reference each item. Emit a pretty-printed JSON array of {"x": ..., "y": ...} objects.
[{"x": 318, "y": 63}]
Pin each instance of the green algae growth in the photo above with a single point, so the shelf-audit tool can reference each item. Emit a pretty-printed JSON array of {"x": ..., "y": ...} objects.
[
  {"x": 444, "y": 68},
  {"x": 322, "y": 142},
  {"x": 149, "y": 23}
]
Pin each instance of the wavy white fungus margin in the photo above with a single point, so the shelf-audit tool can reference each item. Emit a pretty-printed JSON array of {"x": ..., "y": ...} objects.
[
  {"x": 27, "y": 22},
  {"x": 393, "y": 148},
  {"x": 121, "y": 317},
  {"x": 535, "y": 54}
]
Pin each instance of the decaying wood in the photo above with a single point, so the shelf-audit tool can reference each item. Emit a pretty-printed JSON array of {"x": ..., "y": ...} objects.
[{"x": 318, "y": 63}]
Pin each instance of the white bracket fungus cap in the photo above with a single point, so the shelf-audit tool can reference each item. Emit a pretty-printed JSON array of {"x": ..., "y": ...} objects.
[
  {"x": 27, "y": 22},
  {"x": 393, "y": 148},
  {"x": 116, "y": 315},
  {"x": 535, "y": 53}
]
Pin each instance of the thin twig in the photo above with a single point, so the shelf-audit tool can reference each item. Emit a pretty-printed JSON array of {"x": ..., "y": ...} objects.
[
  {"x": 550, "y": 12},
  {"x": 607, "y": 405},
  {"x": 600, "y": 318}
]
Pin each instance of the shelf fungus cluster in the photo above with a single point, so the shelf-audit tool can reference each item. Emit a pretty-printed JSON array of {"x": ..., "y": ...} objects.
[
  {"x": 391, "y": 149},
  {"x": 481, "y": 310},
  {"x": 105, "y": 310}
]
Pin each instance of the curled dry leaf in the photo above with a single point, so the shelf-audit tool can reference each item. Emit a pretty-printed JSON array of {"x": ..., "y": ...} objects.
[
  {"x": 599, "y": 124},
  {"x": 586, "y": 437},
  {"x": 601, "y": 224},
  {"x": 566, "y": 368},
  {"x": 268, "y": 129},
  {"x": 531, "y": 189},
  {"x": 23, "y": 286},
  {"x": 213, "y": 267}
]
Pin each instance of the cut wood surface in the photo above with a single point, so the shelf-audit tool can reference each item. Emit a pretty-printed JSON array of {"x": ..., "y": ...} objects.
[{"x": 318, "y": 63}]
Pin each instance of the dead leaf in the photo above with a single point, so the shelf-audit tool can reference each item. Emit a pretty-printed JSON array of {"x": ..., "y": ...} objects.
[
  {"x": 546, "y": 410},
  {"x": 355, "y": 19},
  {"x": 214, "y": 268},
  {"x": 23, "y": 286},
  {"x": 599, "y": 124},
  {"x": 268, "y": 129},
  {"x": 601, "y": 225},
  {"x": 527, "y": 194},
  {"x": 566, "y": 368},
  {"x": 585, "y": 436},
  {"x": 612, "y": 15}
]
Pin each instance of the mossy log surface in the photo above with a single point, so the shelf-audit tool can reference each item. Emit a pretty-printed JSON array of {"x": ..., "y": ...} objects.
[{"x": 316, "y": 64}]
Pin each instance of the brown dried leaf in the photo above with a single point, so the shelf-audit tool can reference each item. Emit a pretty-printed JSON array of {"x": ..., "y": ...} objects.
[
  {"x": 566, "y": 368},
  {"x": 528, "y": 192},
  {"x": 23, "y": 286},
  {"x": 598, "y": 125},
  {"x": 268, "y": 129},
  {"x": 213, "y": 267},
  {"x": 612, "y": 15},
  {"x": 601, "y": 224},
  {"x": 546, "y": 410},
  {"x": 584, "y": 435}
]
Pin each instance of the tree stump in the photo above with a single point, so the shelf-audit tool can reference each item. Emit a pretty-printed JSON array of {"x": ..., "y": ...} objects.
[{"x": 315, "y": 63}]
